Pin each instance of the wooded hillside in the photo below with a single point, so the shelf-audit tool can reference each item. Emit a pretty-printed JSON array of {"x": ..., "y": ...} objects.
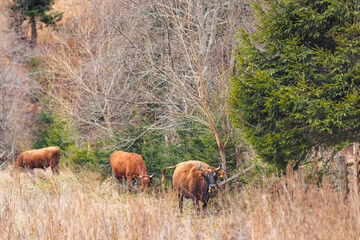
[{"x": 150, "y": 77}]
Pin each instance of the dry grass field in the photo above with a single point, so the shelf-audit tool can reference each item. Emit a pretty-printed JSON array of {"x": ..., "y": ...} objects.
[{"x": 82, "y": 205}]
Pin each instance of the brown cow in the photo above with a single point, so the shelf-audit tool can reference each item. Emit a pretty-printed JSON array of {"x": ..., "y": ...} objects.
[
  {"x": 39, "y": 158},
  {"x": 131, "y": 166},
  {"x": 195, "y": 180}
]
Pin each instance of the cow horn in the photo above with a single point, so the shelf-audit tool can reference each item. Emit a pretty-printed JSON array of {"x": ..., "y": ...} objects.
[
  {"x": 201, "y": 168},
  {"x": 218, "y": 168},
  {"x": 151, "y": 175}
]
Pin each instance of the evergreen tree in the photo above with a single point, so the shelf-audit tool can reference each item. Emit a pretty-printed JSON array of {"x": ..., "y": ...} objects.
[
  {"x": 53, "y": 130},
  {"x": 298, "y": 77},
  {"x": 33, "y": 10}
]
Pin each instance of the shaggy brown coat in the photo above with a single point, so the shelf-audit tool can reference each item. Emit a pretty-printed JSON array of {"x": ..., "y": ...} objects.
[
  {"x": 130, "y": 166},
  {"x": 39, "y": 158},
  {"x": 195, "y": 180}
]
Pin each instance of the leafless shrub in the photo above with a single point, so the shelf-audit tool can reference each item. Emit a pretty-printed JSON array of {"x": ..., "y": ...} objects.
[
  {"x": 146, "y": 63},
  {"x": 17, "y": 92}
]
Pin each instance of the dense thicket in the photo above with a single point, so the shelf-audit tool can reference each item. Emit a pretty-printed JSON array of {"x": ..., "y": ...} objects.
[
  {"x": 297, "y": 81},
  {"x": 132, "y": 78},
  {"x": 147, "y": 77}
]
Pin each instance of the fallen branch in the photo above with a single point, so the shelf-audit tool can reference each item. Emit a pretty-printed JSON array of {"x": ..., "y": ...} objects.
[
  {"x": 237, "y": 175},
  {"x": 3, "y": 164}
]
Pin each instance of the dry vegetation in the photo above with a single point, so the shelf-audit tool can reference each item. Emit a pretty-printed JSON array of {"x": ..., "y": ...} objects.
[{"x": 84, "y": 206}]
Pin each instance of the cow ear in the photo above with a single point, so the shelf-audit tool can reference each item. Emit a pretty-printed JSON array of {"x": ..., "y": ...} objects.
[
  {"x": 221, "y": 173},
  {"x": 200, "y": 173}
]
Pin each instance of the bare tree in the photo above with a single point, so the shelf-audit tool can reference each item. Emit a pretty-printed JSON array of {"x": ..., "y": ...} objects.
[
  {"x": 93, "y": 74},
  {"x": 15, "y": 93},
  {"x": 199, "y": 38},
  {"x": 188, "y": 53},
  {"x": 125, "y": 62}
]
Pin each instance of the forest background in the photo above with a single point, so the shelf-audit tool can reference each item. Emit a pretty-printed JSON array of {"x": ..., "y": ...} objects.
[
  {"x": 153, "y": 78},
  {"x": 216, "y": 81},
  {"x": 150, "y": 77}
]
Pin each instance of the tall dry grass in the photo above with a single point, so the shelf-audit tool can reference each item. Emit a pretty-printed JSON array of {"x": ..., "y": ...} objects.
[
  {"x": 291, "y": 209},
  {"x": 84, "y": 206}
]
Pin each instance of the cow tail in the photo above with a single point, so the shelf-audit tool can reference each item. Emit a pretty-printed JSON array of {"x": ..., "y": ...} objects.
[
  {"x": 18, "y": 162},
  {"x": 58, "y": 156},
  {"x": 55, "y": 161},
  {"x": 163, "y": 175}
]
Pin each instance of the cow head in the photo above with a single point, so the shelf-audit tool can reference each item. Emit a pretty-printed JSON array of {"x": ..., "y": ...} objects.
[
  {"x": 144, "y": 181},
  {"x": 210, "y": 174}
]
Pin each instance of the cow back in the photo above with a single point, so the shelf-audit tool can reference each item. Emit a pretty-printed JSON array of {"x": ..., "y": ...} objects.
[
  {"x": 186, "y": 181},
  {"x": 124, "y": 163},
  {"x": 39, "y": 158}
]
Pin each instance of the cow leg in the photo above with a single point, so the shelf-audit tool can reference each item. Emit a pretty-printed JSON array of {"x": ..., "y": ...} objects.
[
  {"x": 54, "y": 169},
  {"x": 129, "y": 184},
  {"x": 196, "y": 205},
  {"x": 32, "y": 175},
  {"x": 181, "y": 202},
  {"x": 205, "y": 201},
  {"x": 205, "y": 205},
  {"x": 119, "y": 181}
]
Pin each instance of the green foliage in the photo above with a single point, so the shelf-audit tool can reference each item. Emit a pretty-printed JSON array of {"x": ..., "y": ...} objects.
[
  {"x": 199, "y": 143},
  {"x": 190, "y": 142},
  {"x": 297, "y": 81},
  {"x": 56, "y": 130},
  {"x": 79, "y": 156},
  {"x": 37, "y": 8},
  {"x": 155, "y": 153},
  {"x": 35, "y": 64},
  {"x": 53, "y": 130}
]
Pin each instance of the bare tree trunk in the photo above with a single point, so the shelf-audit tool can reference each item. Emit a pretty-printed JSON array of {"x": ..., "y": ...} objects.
[
  {"x": 18, "y": 21},
  {"x": 33, "y": 31},
  {"x": 237, "y": 175},
  {"x": 223, "y": 166},
  {"x": 223, "y": 159},
  {"x": 356, "y": 168},
  {"x": 342, "y": 180}
]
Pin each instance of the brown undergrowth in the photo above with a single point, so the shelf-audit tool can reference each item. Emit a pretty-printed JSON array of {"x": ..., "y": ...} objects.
[{"x": 85, "y": 206}]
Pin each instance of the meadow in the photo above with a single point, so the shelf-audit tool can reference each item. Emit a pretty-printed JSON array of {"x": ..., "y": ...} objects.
[
  {"x": 152, "y": 77},
  {"x": 84, "y": 205}
]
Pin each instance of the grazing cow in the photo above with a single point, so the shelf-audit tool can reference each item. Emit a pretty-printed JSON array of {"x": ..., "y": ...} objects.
[
  {"x": 195, "y": 180},
  {"x": 131, "y": 166},
  {"x": 39, "y": 158}
]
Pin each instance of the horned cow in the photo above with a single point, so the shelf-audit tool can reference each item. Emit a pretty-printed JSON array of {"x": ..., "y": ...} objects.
[
  {"x": 195, "y": 180},
  {"x": 130, "y": 166},
  {"x": 39, "y": 158}
]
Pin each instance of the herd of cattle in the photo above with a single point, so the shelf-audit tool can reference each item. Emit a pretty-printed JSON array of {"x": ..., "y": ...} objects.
[{"x": 191, "y": 179}]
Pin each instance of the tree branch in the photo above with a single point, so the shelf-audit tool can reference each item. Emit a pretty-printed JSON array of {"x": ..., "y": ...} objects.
[{"x": 237, "y": 175}]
